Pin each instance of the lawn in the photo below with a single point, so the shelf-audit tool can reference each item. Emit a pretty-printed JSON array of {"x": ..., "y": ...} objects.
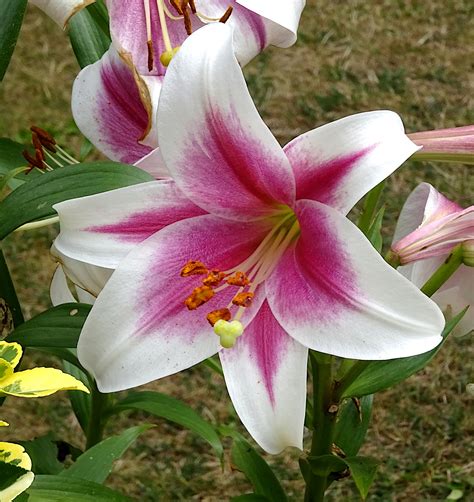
[{"x": 414, "y": 57}]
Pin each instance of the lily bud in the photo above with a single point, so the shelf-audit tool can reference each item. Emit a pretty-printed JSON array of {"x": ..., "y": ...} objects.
[{"x": 468, "y": 253}]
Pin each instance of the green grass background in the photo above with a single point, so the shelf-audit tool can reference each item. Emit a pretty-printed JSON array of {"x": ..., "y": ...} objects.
[{"x": 413, "y": 57}]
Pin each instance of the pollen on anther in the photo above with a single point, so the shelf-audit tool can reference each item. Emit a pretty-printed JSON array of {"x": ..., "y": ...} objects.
[
  {"x": 193, "y": 267},
  {"x": 238, "y": 279},
  {"x": 217, "y": 315},
  {"x": 243, "y": 299},
  {"x": 198, "y": 297},
  {"x": 227, "y": 14},
  {"x": 214, "y": 278}
]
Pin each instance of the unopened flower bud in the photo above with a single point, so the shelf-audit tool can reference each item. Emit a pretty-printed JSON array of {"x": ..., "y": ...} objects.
[{"x": 468, "y": 253}]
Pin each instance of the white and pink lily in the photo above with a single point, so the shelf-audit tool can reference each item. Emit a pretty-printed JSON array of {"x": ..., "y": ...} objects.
[
  {"x": 429, "y": 227},
  {"x": 283, "y": 269},
  {"x": 60, "y": 11},
  {"x": 114, "y": 100}
]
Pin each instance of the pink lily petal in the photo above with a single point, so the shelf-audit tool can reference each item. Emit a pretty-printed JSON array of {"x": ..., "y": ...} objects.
[
  {"x": 109, "y": 109},
  {"x": 219, "y": 151},
  {"x": 139, "y": 328},
  {"x": 154, "y": 164},
  {"x": 334, "y": 293},
  {"x": 338, "y": 163},
  {"x": 101, "y": 229},
  {"x": 265, "y": 373},
  {"x": 61, "y": 11},
  {"x": 59, "y": 290}
]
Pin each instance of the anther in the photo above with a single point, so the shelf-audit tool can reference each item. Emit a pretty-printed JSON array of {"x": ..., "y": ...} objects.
[
  {"x": 151, "y": 58},
  {"x": 187, "y": 18},
  {"x": 214, "y": 278},
  {"x": 43, "y": 135},
  {"x": 198, "y": 297},
  {"x": 217, "y": 315},
  {"x": 193, "y": 268},
  {"x": 193, "y": 6},
  {"x": 176, "y": 7},
  {"x": 243, "y": 299},
  {"x": 32, "y": 161},
  {"x": 238, "y": 279},
  {"x": 226, "y": 14}
]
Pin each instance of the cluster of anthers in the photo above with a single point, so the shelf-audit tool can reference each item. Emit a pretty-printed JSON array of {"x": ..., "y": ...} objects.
[
  {"x": 182, "y": 12},
  {"x": 214, "y": 282},
  {"x": 46, "y": 150}
]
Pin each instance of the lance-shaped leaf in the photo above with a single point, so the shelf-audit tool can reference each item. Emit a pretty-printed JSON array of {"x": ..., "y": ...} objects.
[
  {"x": 11, "y": 14},
  {"x": 380, "y": 375},
  {"x": 363, "y": 471},
  {"x": 43, "y": 452},
  {"x": 35, "y": 199},
  {"x": 80, "y": 401},
  {"x": 171, "y": 409},
  {"x": 97, "y": 462},
  {"x": 58, "y": 327}
]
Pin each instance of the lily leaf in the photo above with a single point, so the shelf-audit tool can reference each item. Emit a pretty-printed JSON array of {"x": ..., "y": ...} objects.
[
  {"x": 43, "y": 452},
  {"x": 11, "y": 14},
  {"x": 60, "y": 488},
  {"x": 174, "y": 410},
  {"x": 363, "y": 471},
  {"x": 257, "y": 471},
  {"x": 97, "y": 462},
  {"x": 34, "y": 200},
  {"x": 380, "y": 375},
  {"x": 80, "y": 401},
  {"x": 58, "y": 327}
]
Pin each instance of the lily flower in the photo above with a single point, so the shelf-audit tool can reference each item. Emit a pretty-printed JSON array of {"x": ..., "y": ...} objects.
[
  {"x": 455, "y": 144},
  {"x": 60, "y": 11},
  {"x": 429, "y": 227},
  {"x": 114, "y": 100},
  {"x": 247, "y": 253}
]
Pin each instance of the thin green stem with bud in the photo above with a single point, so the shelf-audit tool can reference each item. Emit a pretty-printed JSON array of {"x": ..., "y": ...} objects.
[{"x": 445, "y": 271}]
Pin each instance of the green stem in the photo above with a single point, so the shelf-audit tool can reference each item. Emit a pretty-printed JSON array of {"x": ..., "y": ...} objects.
[
  {"x": 98, "y": 417},
  {"x": 444, "y": 272},
  {"x": 8, "y": 293},
  {"x": 324, "y": 421},
  {"x": 370, "y": 205},
  {"x": 352, "y": 374}
]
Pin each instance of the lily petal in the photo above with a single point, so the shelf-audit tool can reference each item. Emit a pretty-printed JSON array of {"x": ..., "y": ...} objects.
[
  {"x": 59, "y": 291},
  {"x": 265, "y": 373},
  {"x": 101, "y": 229},
  {"x": 154, "y": 164},
  {"x": 338, "y": 163},
  {"x": 218, "y": 149},
  {"x": 60, "y": 11},
  {"x": 139, "y": 328},
  {"x": 113, "y": 108},
  {"x": 334, "y": 293}
]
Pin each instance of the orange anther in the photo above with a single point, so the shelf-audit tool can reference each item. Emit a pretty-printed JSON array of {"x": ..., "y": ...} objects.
[
  {"x": 238, "y": 279},
  {"x": 217, "y": 315},
  {"x": 193, "y": 268},
  {"x": 214, "y": 278},
  {"x": 243, "y": 299},
  {"x": 198, "y": 297},
  {"x": 227, "y": 14}
]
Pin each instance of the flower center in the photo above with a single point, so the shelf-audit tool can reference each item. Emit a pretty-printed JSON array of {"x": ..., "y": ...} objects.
[
  {"x": 244, "y": 278},
  {"x": 183, "y": 9}
]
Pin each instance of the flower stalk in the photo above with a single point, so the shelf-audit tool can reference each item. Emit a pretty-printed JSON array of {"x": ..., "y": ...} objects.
[
  {"x": 100, "y": 404},
  {"x": 445, "y": 271}
]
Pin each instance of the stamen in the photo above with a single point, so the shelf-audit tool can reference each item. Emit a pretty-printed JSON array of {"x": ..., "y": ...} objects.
[
  {"x": 243, "y": 299},
  {"x": 227, "y": 14},
  {"x": 42, "y": 134},
  {"x": 193, "y": 6},
  {"x": 217, "y": 315},
  {"x": 214, "y": 278},
  {"x": 149, "y": 37},
  {"x": 176, "y": 7},
  {"x": 187, "y": 18},
  {"x": 238, "y": 279},
  {"x": 193, "y": 268},
  {"x": 164, "y": 27},
  {"x": 198, "y": 297}
]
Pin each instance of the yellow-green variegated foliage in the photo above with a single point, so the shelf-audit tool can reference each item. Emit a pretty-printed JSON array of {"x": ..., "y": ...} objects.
[{"x": 37, "y": 382}]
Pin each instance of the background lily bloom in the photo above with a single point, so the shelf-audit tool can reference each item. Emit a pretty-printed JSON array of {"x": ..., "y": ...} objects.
[
  {"x": 249, "y": 237},
  {"x": 429, "y": 227},
  {"x": 61, "y": 10},
  {"x": 114, "y": 100}
]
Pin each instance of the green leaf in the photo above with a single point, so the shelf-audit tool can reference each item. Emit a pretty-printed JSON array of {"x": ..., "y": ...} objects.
[
  {"x": 43, "y": 452},
  {"x": 363, "y": 471},
  {"x": 58, "y": 327},
  {"x": 9, "y": 473},
  {"x": 171, "y": 409},
  {"x": 323, "y": 465},
  {"x": 34, "y": 200},
  {"x": 11, "y": 159},
  {"x": 375, "y": 231},
  {"x": 257, "y": 471},
  {"x": 62, "y": 489},
  {"x": 96, "y": 463},
  {"x": 88, "y": 33},
  {"x": 80, "y": 401},
  {"x": 11, "y": 15},
  {"x": 380, "y": 375},
  {"x": 352, "y": 423}
]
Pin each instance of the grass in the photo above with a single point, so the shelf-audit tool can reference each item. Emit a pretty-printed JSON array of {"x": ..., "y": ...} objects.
[{"x": 414, "y": 57}]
